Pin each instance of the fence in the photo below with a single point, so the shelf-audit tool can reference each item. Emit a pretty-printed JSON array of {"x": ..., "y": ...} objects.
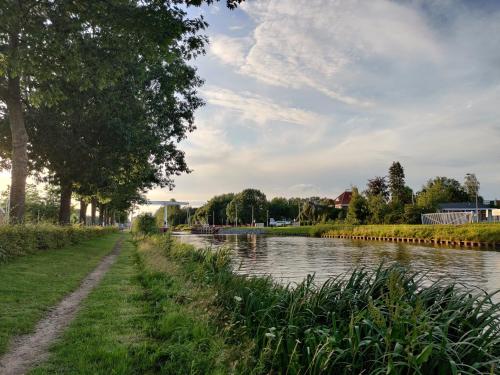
[{"x": 448, "y": 218}]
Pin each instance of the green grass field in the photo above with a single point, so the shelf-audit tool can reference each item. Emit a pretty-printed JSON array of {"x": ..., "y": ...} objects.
[
  {"x": 30, "y": 285},
  {"x": 145, "y": 317},
  {"x": 108, "y": 328}
]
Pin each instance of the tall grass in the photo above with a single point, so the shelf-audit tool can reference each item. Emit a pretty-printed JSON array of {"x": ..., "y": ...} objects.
[
  {"x": 372, "y": 322},
  {"x": 466, "y": 232},
  {"x": 487, "y": 232}
]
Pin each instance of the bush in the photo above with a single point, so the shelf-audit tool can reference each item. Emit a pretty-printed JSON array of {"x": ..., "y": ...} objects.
[
  {"x": 18, "y": 240},
  {"x": 145, "y": 224}
]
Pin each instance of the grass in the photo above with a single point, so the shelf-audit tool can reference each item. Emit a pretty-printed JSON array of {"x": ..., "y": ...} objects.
[
  {"x": 171, "y": 309},
  {"x": 108, "y": 328},
  {"x": 468, "y": 232},
  {"x": 30, "y": 285},
  {"x": 487, "y": 232},
  {"x": 146, "y": 317},
  {"x": 386, "y": 321}
]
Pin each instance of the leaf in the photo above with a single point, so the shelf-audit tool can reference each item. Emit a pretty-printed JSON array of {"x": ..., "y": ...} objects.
[
  {"x": 424, "y": 356},
  {"x": 453, "y": 367}
]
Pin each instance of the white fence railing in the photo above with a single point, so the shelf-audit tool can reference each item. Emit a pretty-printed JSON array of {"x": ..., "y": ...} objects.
[{"x": 448, "y": 218}]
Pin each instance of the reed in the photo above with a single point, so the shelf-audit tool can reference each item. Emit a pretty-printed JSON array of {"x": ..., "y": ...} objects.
[{"x": 386, "y": 321}]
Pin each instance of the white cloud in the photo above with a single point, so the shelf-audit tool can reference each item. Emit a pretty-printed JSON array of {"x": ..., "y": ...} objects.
[
  {"x": 229, "y": 50},
  {"x": 259, "y": 109}
]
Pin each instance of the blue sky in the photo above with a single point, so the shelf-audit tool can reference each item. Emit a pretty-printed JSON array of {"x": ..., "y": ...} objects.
[{"x": 309, "y": 97}]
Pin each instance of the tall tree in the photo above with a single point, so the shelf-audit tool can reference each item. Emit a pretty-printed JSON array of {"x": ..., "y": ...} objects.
[
  {"x": 397, "y": 182},
  {"x": 441, "y": 190},
  {"x": 246, "y": 202},
  {"x": 377, "y": 186},
  {"x": 472, "y": 185},
  {"x": 357, "y": 212},
  {"x": 36, "y": 44}
]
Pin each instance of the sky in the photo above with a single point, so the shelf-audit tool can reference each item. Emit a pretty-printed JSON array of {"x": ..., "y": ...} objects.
[{"x": 311, "y": 97}]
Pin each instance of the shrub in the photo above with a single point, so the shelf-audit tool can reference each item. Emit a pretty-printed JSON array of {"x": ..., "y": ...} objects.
[
  {"x": 18, "y": 240},
  {"x": 145, "y": 224}
]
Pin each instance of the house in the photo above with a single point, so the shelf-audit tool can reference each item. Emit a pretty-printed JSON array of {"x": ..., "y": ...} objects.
[
  {"x": 485, "y": 211},
  {"x": 343, "y": 200}
]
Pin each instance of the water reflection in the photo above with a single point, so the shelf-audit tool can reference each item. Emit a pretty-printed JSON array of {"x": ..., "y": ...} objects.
[{"x": 291, "y": 259}]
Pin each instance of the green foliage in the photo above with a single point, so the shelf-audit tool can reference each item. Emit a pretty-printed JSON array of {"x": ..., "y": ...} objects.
[
  {"x": 377, "y": 186},
  {"x": 378, "y": 209},
  {"x": 357, "y": 211},
  {"x": 176, "y": 215},
  {"x": 384, "y": 321},
  {"x": 214, "y": 211},
  {"x": 441, "y": 190},
  {"x": 471, "y": 186},
  {"x": 42, "y": 206},
  {"x": 18, "y": 240},
  {"x": 397, "y": 183},
  {"x": 467, "y": 232},
  {"x": 243, "y": 203},
  {"x": 144, "y": 224},
  {"x": 281, "y": 209}
]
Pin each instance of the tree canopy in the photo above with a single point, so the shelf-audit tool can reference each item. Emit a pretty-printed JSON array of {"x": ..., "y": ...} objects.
[{"x": 105, "y": 85}]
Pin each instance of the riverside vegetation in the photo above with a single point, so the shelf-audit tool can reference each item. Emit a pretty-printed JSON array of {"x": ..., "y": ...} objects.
[
  {"x": 166, "y": 307},
  {"x": 386, "y": 321},
  {"x": 468, "y": 232}
]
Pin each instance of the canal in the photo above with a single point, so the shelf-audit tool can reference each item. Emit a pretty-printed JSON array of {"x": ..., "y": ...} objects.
[{"x": 291, "y": 259}]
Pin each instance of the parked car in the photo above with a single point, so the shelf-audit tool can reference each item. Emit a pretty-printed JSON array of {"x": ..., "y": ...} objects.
[{"x": 279, "y": 223}]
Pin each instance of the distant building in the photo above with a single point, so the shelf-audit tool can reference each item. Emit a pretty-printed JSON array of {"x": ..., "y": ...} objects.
[
  {"x": 485, "y": 210},
  {"x": 343, "y": 200}
]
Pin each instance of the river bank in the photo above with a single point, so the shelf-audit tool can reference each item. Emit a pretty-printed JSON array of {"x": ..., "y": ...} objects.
[
  {"x": 364, "y": 322},
  {"x": 468, "y": 235}
]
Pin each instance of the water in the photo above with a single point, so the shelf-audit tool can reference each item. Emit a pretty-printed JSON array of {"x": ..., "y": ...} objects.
[{"x": 291, "y": 259}]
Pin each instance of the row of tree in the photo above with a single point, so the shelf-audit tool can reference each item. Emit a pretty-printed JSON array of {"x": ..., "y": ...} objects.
[
  {"x": 95, "y": 96},
  {"x": 252, "y": 204},
  {"x": 387, "y": 199}
]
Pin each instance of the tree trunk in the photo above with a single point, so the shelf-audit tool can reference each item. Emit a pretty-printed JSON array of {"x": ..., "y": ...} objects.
[
  {"x": 19, "y": 151},
  {"x": 101, "y": 214},
  {"x": 65, "y": 203},
  {"x": 93, "y": 210},
  {"x": 83, "y": 212}
]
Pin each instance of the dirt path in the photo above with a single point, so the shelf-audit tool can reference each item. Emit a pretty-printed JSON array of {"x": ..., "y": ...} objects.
[{"x": 28, "y": 350}]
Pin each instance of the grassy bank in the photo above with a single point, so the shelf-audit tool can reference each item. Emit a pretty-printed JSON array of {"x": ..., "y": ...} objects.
[
  {"x": 147, "y": 316},
  {"x": 386, "y": 321},
  {"x": 469, "y": 232},
  {"x": 18, "y": 240},
  {"x": 30, "y": 285}
]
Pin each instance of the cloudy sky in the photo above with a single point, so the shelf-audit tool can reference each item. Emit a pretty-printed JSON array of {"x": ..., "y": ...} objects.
[{"x": 309, "y": 97}]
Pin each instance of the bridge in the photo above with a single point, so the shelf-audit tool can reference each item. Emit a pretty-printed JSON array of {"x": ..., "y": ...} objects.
[{"x": 167, "y": 204}]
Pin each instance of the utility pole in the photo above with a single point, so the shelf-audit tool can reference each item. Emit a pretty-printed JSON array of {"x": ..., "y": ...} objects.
[
  {"x": 267, "y": 218},
  {"x": 477, "y": 206},
  {"x": 213, "y": 218},
  {"x": 236, "y": 210},
  {"x": 252, "y": 215}
]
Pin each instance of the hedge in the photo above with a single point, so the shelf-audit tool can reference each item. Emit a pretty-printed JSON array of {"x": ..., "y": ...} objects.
[{"x": 19, "y": 240}]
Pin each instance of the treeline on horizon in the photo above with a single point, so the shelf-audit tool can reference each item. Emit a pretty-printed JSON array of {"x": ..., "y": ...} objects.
[
  {"x": 385, "y": 200},
  {"x": 94, "y": 99}
]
